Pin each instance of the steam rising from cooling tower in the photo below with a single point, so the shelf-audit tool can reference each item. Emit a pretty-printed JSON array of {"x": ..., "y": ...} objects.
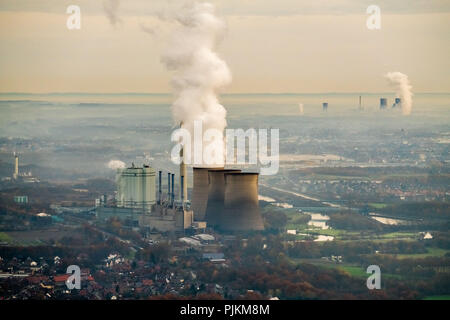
[
  {"x": 111, "y": 8},
  {"x": 116, "y": 164},
  {"x": 300, "y": 108},
  {"x": 401, "y": 84},
  {"x": 198, "y": 72}
]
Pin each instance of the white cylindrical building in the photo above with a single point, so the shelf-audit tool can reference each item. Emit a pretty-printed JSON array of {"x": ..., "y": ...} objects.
[{"x": 136, "y": 188}]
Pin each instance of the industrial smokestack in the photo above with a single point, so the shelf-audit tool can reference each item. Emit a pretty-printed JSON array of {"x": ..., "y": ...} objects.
[
  {"x": 216, "y": 195},
  {"x": 173, "y": 189},
  {"x": 200, "y": 192},
  {"x": 168, "y": 187},
  {"x": 159, "y": 187},
  {"x": 241, "y": 209},
  {"x": 183, "y": 177},
  {"x": 16, "y": 166},
  {"x": 182, "y": 191}
]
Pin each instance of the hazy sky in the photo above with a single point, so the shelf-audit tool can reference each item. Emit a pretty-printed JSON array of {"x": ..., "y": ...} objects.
[{"x": 270, "y": 46}]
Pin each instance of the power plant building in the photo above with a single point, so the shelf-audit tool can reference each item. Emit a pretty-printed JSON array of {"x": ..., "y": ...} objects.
[
  {"x": 136, "y": 188},
  {"x": 168, "y": 215},
  {"x": 227, "y": 199}
]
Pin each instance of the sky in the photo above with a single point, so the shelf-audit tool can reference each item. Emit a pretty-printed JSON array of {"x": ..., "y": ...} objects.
[{"x": 273, "y": 46}]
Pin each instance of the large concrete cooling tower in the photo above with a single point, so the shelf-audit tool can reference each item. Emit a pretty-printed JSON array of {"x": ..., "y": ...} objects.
[
  {"x": 216, "y": 196},
  {"x": 200, "y": 192},
  {"x": 241, "y": 210}
]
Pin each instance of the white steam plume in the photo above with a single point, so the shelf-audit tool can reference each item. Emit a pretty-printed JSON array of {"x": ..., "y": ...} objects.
[
  {"x": 401, "y": 84},
  {"x": 116, "y": 164},
  {"x": 111, "y": 8},
  {"x": 198, "y": 72},
  {"x": 300, "y": 108}
]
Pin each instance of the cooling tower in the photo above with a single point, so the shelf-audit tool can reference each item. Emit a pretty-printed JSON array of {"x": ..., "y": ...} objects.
[
  {"x": 216, "y": 195},
  {"x": 241, "y": 210},
  {"x": 200, "y": 192}
]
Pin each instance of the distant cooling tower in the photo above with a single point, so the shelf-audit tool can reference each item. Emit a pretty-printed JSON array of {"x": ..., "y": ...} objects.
[
  {"x": 241, "y": 210},
  {"x": 383, "y": 103},
  {"x": 397, "y": 102},
  {"x": 216, "y": 196},
  {"x": 200, "y": 192}
]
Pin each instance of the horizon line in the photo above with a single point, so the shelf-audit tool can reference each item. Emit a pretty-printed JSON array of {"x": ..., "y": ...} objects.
[{"x": 230, "y": 93}]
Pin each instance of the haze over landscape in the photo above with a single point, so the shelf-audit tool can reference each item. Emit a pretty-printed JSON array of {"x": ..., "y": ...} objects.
[{"x": 86, "y": 177}]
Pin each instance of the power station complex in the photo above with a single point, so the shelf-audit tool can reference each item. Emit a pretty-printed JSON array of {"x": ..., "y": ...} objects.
[{"x": 223, "y": 199}]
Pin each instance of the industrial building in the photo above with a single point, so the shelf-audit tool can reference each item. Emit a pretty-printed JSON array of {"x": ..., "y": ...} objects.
[
  {"x": 136, "y": 188},
  {"x": 225, "y": 199},
  {"x": 383, "y": 103},
  {"x": 168, "y": 215},
  {"x": 136, "y": 201},
  {"x": 24, "y": 177}
]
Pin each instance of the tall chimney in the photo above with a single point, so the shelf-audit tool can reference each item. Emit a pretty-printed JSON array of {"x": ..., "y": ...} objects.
[
  {"x": 173, "y": 189},
  {"x": 200, "y": 192},
  {"x": 168, "y": 187},
  {"x": 16, "y": 166},
  {"x": 183, "y": 183},
  {"x": 182, "y": 191},
  {"x": 159, "y": 187},
  {"x": 241, "y": 209}
]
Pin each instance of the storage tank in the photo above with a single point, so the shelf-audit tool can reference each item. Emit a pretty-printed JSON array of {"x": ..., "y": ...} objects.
[
  {"x": 200, "y": 192},
  {"x": 216, "y": 195},
  {"x": 241, "y": 209}
]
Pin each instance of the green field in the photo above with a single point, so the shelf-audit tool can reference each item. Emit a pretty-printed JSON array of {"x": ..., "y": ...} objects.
[
  {"x": 399, "y": 235},
  {"x": 432, "y": 252},
  {"x": 447, "y": 297},
  {"x": 378, "y": 205},
  {"x": 5, "y": 238}
]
